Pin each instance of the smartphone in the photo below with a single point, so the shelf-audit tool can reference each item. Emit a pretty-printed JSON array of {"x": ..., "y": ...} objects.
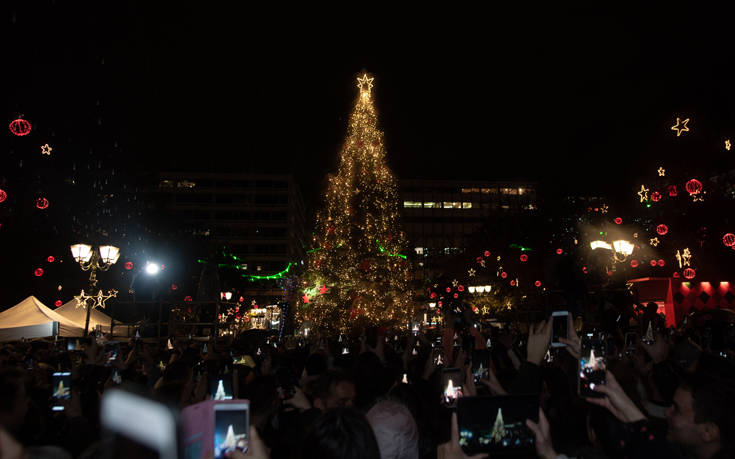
[
  {"x": 559, "y": 327},
  {"x": 73, "y": 345},
  {"x": 61, "y": 388},
  {"x": 112, "y": 348},
  {"x": 231, "y": 427},
  {"x": 220, "y": 387},
  {"x": 452, "y": 383},
  {"x": 480, "y": 364},
  {"x": 592, "y": 366},
  {"x": 497, "y": 425},
  {"x": 154, "y": 434}
]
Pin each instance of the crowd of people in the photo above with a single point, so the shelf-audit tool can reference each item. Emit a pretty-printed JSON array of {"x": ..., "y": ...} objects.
[{"x": 380, "y": 394}]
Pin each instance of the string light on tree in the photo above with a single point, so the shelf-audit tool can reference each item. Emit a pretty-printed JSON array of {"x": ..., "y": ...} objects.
[{"x": 680, "y": 126}]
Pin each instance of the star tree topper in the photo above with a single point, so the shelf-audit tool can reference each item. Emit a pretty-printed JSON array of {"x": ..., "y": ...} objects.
[
  {"x": 681, "y": 129},
  {"x": 366, "y": 85}
]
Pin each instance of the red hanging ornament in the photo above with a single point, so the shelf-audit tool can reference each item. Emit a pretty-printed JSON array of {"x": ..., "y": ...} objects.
[
  {"x": 3, "y": 195},
  {"x": 671, "y": 189},
  {"x": 524, "y": 257},
  {"x": 456, "y": 295},
  {"x": 58, "y": 303},
  {"x": 38, "y": 272},
  {"x": 433, "y": 295},
  {"x": 661, "y": 263},
  {"x": 634, "y": 263},
  {"x": 512, "y": 283},
  {"x": 187, "y": 298},
  {"x": 559, "y": 251},
  {"x": 689, "y": 273},
  {"x": 503, "y": 274},
  {"x": 728, "y": 239},
  {"x": 537, "y": 283},
  {"x": 174, "y": 287},
  {"x": 618, "y": 220},
  {"x": 662, "y": 229},
  {"x": 20, "y": 127},
  {"x": 675, "y": 275},
  {"x": 460, "y": 288},
  {"x": 50, "y": 259},
  {"x": 584, "y": 269},
  {"x": 439, "y": 304},
  {"x": 655, "y": 196},
  {"x": 42, "y": 203},
  {"x": 693, "y": 186},
  {"x": 487, "y": 254},
  {"x": 449, "y": 289},
  {"x": 653, "y": 263},
  {"x": 128, "y": 265}
]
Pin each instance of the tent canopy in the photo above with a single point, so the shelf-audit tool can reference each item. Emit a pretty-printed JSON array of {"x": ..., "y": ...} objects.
[
  {"x": 96, "y": 318},
  {"x": 32, "y": 319}
]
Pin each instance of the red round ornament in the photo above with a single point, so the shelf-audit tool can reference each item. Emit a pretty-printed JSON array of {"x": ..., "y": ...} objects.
[
  {"x": 187, "y": 298},
  {"x": 456, "y": 295},
  {"x": 655, "y": 196},
  {"x": 20, "y": 127},
  {"x": 728, "y": 239},
  {"x": 675, "y": 275},
  {"x": 38, "y": 272},
  {"x": 694, "y": 186},
  {"x": 433, "y": 295},
  {"x": 618, "y": 220},
  {"x": 487, "y": 253},
  {"x": 128, "y": 265},
  {"x": 660, "y": 262},
  {"x": 512, "y": 283},
  {"x": 653, "y": 262},
  {"x": 58, "y": 303},
  {"x": 689, "y": 273},
  {"x": 42, "y": 203},
  {"x": 241, "y": 300},
  {"x": 3, "y": 195},
  {"x": 559, "y": 251},
  {"x": 439, "y": 304},
  {"x": 671, "y": 189},
  {"x": 537, "y": 283},
  {"x": 503, "y": 274},
  {"x": 584, "y": 269},
  {"x": 50, "y": 259},
  {"x": 634, "y": 263},
  {"x": 460, "y": 288},
  {"x": 174, "y": 287},
  {"x": 662, "y": 229},
  {"x": 524, "y": 257},
  {"x": 449, "y": 289}
]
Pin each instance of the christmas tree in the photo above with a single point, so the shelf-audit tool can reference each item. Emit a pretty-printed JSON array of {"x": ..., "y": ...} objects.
[{"x": 356, "y": 274}]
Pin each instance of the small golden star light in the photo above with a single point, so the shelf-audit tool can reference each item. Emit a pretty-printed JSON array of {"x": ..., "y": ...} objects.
[
  {"x": 471, "y": 272},
  {"x": 697, "y": 197},
  {"x": 643, "y": 194},
  {"x": 661, "y": 172},
  {"x": 604, "y": 209},
  {"x": 728, "y": 145},
  {"x": 455, "y": 282},
  {"x": 95, "y": 301},
  {"x": 46, "y": 149},
  {"x": 366, "y": 85},
  {"x": 654, "y": 242},
  {"x": 680, "y": 126}
]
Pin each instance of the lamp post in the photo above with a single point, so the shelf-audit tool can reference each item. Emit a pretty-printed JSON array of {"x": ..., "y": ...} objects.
[{"x": 94, "y": 260}]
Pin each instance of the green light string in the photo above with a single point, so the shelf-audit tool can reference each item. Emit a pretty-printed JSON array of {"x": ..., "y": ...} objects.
[
  {"x": 382, "y": 250},
  {"x": 279, "y": 275},
  {"x": 523, "y": 249}
]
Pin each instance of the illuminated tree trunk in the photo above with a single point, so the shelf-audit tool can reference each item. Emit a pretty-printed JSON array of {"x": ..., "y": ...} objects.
[{"x": 356, "y": 274}]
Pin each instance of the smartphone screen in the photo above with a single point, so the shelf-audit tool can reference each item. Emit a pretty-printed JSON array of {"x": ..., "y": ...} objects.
[
  {"x": 496, "y": 425},
  {"x": 73, "y": 345},
  {"x": 231, "y": 425},
  {"x": 480, "y": 364},
  {"x": 220, "y": 387},
  {"x": 452, "y": 382},
  {"x": 592, "y": 366},
  {"x": 559, "y": 328},
  {"x": 112, "y": 348},
  {"x": 61, "y": 388}
]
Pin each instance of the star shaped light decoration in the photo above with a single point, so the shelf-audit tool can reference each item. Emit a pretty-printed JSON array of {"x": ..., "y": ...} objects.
[
  {"x": 654, "y": 242},
  {"x": 728, "y": 145},
  {"x": 455, "y": 282},
  {"x": 604, "y": 208},
  {"x": 471, "y": 272},
  {"x": 643, "y": 194},
  {"x": 680, "y": 126},
  {"x": 661, "y": 172},
  {"x": 46, "y": 149},
  {"x": 305, "y": 298},
  {"x": 366, "y": 85},
  {"x": 697, "y": 197},
  {"x": 95, "y": 301},
  {"x": 323, "y": 289}
]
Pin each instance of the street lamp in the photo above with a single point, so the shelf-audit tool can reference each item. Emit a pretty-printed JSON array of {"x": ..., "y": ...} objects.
[
  {"x": 621, "y": 249},
  {"x": 94, "y": 260}
]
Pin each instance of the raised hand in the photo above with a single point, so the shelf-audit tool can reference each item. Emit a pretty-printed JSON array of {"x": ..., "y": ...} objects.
[
  {"x": 574, "y": 345},
  {"x": 616, "y": 400},
  {"x": 542, "y": 433},
  {"x": 539, "y": 336},
  {"x": 452, "y": 450}
]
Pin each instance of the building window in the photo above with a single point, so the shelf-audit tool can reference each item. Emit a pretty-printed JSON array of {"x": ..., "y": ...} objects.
[
  {"x": 412, "y": 204},
  {"x": 452, "y": 205},
  {"x": 166, "y": 184},
  {"x": 466, "y": 190},
  {"x": 489, "y": 190},
  {"x": 509, "y": 190},
  {"x": 432, "y": 205},
  {"x": 467, "y": 205}
]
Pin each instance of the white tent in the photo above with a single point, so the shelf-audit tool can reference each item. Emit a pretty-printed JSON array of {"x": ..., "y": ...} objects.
[
  {"x": 96, "y": 317},
  {"x": 31, "y": 319}
]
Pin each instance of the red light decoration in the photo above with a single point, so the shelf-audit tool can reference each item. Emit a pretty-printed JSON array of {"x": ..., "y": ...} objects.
[
  {"x": 584, "y": 269},
  {"x": 3, "y": 195},
  {"x": 661, "y": 263},
  {"x": 671, "y": 189},
  {"x": 128, "y": 265},
  {"x": 439, "y": 304},
  {"x": 609, "y": 273},
  {"x": 42, "y": 203},
  {"x": 654, "y": 263},
  {"x": 163, "y": 267},
  {"x": 58, "y": 303},
  {"x": 559, "y": 251},
  {"x": 662, "y": 229},
  {"x": 38, "y": 272},
  {"x": 676, "y": 275},
  {"x": 456, "y": 295},
  {"x": 187, "y": 298},
  {"x": 728, "y": 239},
  {"x": 512, "y": 283},
  {"x": 460, "y": 288},
  {"x": 242, "y": 300},
  {"x": 524, "y": 257},
  {"x": 487, "y": 253},
  {"x": 20, "y": 127},
  {"x": 503, "y": 274},
  {"x": 634, "y": 263},
  {"x": 50, "y": 259},
  {"x": 433, "y": 295},
  {"x": 655, "y": 196},
  {"x": 174, "y": 287},
  {"x": 449, "y": 289},
  {"x": 618, "y": 220},
  {"x": 694, "y": 186},
  {"x": 537, "y": 283},
  {"x": 689, "y": 273}
]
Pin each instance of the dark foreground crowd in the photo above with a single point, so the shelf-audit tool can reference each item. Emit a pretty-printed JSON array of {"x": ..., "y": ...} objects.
[{"x": 382, "y": 394}]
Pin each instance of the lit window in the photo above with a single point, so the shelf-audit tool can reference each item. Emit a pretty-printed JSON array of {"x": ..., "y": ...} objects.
[
  {"x": 166, "y": 184},
  {"x": 509, "y": 191},
  {"x": 412, "y": 204},
  {"x": 467, "y": 205},
  {"x": 432, "y": 205},
  {"x": 452, "y": 205},
  {"x": 185, "y": 184},
  {"x": 521, "y": 191},
  {"x": 259, "y": 268},
  {"x": 475, "y": 190},
  {"x": 466, "y": 190}
]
